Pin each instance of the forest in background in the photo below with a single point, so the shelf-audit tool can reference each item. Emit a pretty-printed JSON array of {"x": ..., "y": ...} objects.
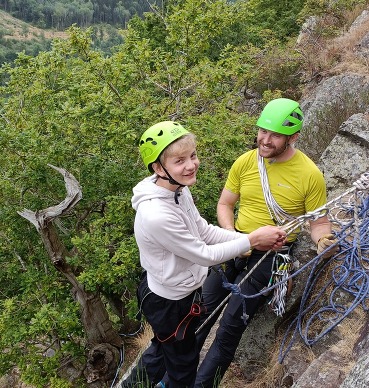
[
  {"x": 17, "y": 36},
  {"x": 107, "y": 17},
  {"x": 61, "y": 14},
  {"x": 211, "y": 65}
]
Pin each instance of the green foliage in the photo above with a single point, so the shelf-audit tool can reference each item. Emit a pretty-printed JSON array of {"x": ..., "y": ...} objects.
[
  {"x": 216, "y": 133},
  {"x": 58, "y": 108},
  {"x": 277, "y": 16},
  {"x": 31, "y": 325},
  {"x": 75, "y": 108},
  {"x": 328, "y": 8},
  {"x": 111, "y": 243},
  {"x": 274, "y": 72},
  {"x": 9, "y": 48}
]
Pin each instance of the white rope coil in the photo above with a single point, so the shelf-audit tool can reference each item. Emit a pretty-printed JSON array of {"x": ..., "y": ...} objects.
[{"x": 275, "y": 211}]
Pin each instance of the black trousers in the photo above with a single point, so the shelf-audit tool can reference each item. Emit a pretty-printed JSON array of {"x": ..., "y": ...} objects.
[
  {"x": 179, "y": 358},
  {"x": 231, "y": 326}
]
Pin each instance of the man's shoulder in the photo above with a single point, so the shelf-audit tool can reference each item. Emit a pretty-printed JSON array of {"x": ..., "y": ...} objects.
[
  {"x": 305, "y": 159},
  {"x": 244, "y": 162},
  {"x": 248, "y": 155}
]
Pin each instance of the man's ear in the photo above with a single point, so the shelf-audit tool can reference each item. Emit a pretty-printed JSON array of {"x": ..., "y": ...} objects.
[{"x": 293, "y": 138}]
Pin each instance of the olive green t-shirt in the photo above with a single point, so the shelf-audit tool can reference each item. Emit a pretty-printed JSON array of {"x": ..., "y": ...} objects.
[{"x": 297, "y": 185}]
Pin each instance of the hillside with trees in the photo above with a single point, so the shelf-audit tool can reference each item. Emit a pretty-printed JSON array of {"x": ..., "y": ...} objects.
[
  {"x": 61, "y": 14},
  {"x": 19, "y": 36},
  {"x": 211, "y": 65},
  {"x": 30, "y": 25}
]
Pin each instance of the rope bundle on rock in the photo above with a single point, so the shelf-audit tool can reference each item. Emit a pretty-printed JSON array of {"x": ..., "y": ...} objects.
[{"x": 346, "y": 288}]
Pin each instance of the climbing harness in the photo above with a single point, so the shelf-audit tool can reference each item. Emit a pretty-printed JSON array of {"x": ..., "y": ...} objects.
[
  {"x": 283, "y": 264},
  {"x": 197, "y": 308}
]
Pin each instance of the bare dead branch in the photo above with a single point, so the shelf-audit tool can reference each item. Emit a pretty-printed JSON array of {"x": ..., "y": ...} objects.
[{"x": 41, "y": 218}]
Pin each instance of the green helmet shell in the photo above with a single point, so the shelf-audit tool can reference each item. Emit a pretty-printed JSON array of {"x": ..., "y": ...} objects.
[
  {"x": 155, "y": 139},
  {"x": 281, "y": 115}
]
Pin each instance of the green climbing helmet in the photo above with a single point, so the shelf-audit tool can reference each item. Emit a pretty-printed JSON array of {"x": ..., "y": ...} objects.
[
  {"x": 281, "y": 115},
  {"x": 155, "y": 139}
]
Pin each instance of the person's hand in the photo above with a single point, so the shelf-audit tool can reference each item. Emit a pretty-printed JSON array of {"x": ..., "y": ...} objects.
[
  {"x": 267, "y": 237},
  {"x": 363, "y": 182},
  {"x": 326, "y": 241}
]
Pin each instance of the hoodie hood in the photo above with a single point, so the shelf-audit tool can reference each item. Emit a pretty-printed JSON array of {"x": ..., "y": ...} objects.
[{"x": 147, "y": 189}]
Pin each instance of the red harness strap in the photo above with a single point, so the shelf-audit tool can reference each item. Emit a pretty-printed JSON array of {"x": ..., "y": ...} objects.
[{"x": 195, "y": 311}]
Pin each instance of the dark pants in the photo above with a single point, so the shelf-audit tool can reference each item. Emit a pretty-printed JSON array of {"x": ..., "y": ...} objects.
[
  {"x": 231, "y": 326},
  {"x": 179, "y": 358}
]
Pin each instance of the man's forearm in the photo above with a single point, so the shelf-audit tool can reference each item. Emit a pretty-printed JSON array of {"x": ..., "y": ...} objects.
[
  {"x": 319, "y": 229},
  {"x": 225, "y": 217}
]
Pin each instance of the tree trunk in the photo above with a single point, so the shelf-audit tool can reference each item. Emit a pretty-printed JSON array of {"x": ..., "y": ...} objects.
[{"x": 94, "y": 317}]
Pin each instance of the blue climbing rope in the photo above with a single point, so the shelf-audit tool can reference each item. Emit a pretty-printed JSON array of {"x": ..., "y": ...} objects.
[
  {"x": 345, "y": 290},
  {"x": 235, "y": 290}
]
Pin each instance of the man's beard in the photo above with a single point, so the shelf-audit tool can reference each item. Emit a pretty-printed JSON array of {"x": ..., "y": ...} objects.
[{"x": 272, "y": 153}]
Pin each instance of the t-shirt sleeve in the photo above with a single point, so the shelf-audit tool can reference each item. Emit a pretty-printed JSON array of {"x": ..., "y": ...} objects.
[
  {"x": 233, "y": 180},
  {"x": 317, "y": 192}
]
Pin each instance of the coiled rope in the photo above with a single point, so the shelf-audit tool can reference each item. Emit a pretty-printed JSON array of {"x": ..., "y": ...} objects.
[
  {"x": 278, "y": 214},
  {"x": 351, "y": 274},
  {"x": 346, "y": 288}
]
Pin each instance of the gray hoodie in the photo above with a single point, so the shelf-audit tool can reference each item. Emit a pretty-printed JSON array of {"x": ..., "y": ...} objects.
[{"x": 176, "y": 244}]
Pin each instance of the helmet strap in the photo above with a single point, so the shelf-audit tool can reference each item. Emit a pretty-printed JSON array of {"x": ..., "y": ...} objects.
[{"x": 172, "y": 181}]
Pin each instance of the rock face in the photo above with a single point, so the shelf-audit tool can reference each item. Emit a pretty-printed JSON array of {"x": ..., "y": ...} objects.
[
  {"x": 340, "y": 102},
  {"x": 347, "y": 156},
  {"x": 333, "y": 102}
]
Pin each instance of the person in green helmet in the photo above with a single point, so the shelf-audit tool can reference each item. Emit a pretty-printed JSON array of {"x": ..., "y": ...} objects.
[
  {"x": 176, "y": 247},
  {"x": 271, "y": 184}
]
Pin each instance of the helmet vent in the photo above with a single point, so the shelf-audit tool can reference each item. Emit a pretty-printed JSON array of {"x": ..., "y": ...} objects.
[
  {"x": 150, "y": 139},
  {"x": 287, "y": 123},
  {"x": 297, "y": 116}
]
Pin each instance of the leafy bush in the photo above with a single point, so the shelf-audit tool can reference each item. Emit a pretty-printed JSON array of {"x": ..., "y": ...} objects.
[{"x": 76, "y": 108}]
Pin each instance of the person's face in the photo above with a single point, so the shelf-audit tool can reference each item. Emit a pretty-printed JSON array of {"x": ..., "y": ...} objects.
[
  {"x": 182, "y": 162},
  {"x": 271, "y": 144}
]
